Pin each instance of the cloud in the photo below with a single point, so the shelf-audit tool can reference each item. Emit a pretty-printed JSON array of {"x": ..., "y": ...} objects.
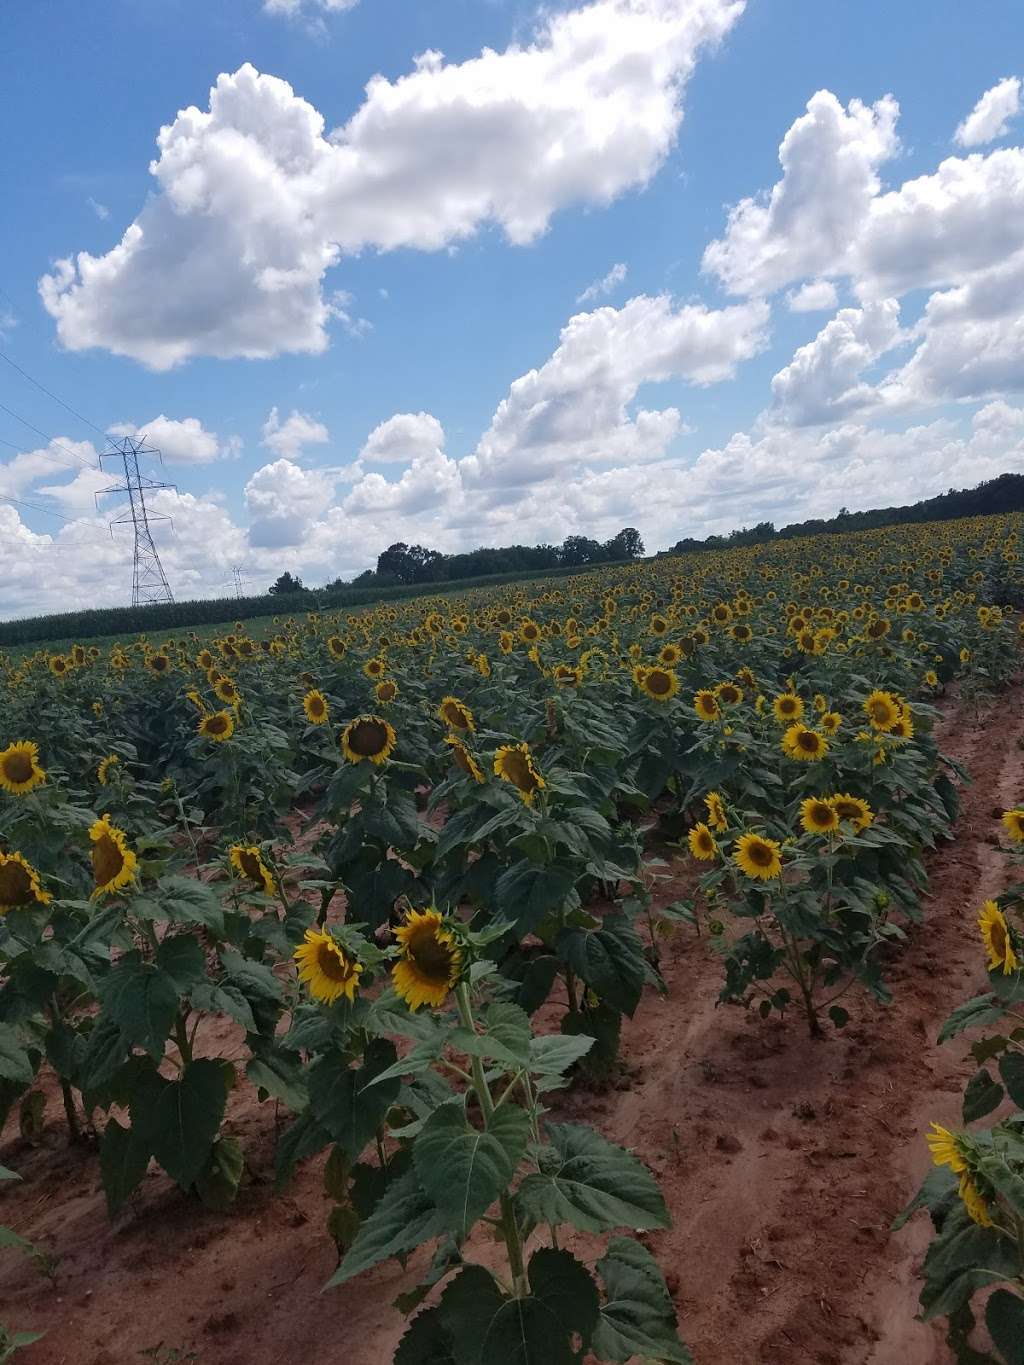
[
  {"x": 254, "y": 203},
  {"x": 603, "y": 287},
  {"x": 406, "y": 436},
  {"x": 292, "y": 8},
  {"x": 830, "y": 159},
  {"x": 290, "y": 437},
  {"x": 990, "y": 117},
  {"x": 283, "y": 502},
  {"x": 813, "y": 297},
  {"x": 822, "y": 383},
  {"x": 101, "y": 211},
  {"x": 181, "y": 441}
]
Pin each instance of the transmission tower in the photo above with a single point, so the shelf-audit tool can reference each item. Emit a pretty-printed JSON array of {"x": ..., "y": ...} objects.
[
  {"x": 149, "y": 582},
  {"x": 239, "y": 586}
]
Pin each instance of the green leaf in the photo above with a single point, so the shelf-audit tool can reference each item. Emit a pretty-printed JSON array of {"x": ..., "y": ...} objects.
[
  {"x": 142, "y": 999},
  {"x": 939, "y": 1184},
  {"x": 505, "y": 1039},
  {"x": 527, "y": 892},
  {"x": 10, "y": 1240},
  {"x": 589, "y": 1182},
  {"x": 15, "y": 1064},
  {"x": 976, "y": 1013},
  {"x": 7, "y": 1174},
  {"x": 552, "y": 1054},
  {"x": 303, "y": 1139},
  {"x": 464, "y": 1169},
  {"x": 1005, "y": 1180},
  {"x": 426, "y": 1342},
  {"x": 961, "y": 1260},
  {"x": 403, "y": 1219},
  {"x": 254, "y": 979},
  {"x": 1004, "y": 1318},
  {"x": 105, "y": 1051},
  {"x": 179, "y": 1119},
  {"x": 637, "y": 1317},
  {"x": 218, "y": 1181},
  {"x": 981, "y": 1095},
  {"x": 281, "y": 1076},
  {"x": 567, "y": 1290},
  {"x": 610, "y": 960},
  {"x": 186, "y": 900},
  {"x": 344, "y": 1100},
  {"x": 1011, "y": 1068},
  {"x": 123, "y": 1161},
  {"x": 226, "y": 999},
  {"x": 181, "y": 956}
]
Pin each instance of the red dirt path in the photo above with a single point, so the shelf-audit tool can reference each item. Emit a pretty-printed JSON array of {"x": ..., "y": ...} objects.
[{"x": 782, "y": 1160}]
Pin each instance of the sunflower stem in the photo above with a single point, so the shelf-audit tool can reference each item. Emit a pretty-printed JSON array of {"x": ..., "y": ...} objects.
[
  {"x": 182, "y": 1039},
  {"x": 509, "y": 1226}
]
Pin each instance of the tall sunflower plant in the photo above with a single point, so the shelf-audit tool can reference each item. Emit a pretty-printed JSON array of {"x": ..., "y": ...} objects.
[
  {"x": 975, "y": 1191},
  {"x": 461, "y": 1157}
]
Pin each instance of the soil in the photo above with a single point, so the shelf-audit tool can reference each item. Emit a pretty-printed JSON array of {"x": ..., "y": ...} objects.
[{"x": 783, "y": 1161}]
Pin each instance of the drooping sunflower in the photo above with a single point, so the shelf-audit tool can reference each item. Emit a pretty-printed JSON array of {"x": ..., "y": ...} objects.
[
  {"x": 386, "y": 690},
  {"x": 567, "y": 676},
  {"x": 660, "y": 684},
  {"x": 19, "y": 884},
  {"x": 757, "y": 857},
  {"x": 19, "y": 767},
  {"x": 514, "y": 763},
  {"x": 818, "y": 815},
  {"x": 456, "y": 714},
  {"x": 945, "y": 1149},
  {"x": 974, "y": 1201},
  {"x": 882, "y": 710},
  {"x": 367, "y": 737},
  {"x": 218, "y": 726},
  {"x": 807, "y": 745},
  {"x": 113, "y": 862},
  {"x": 705, "y": 703},
  {"x": 336, "y": 647},
  {"x": 326, "y": 968},
  {"x": 103, "y": 771},
  {"x": 853, "y": 809},
  {"x": 1013, "y": 823},
  {"x": 464, "y": 759},
  {"x": 314, "y": 704},
  {"x": 247, "y": 860},
  {"x": 995, "y": 933},
  {"x": 430, "y": 963},
  {"x": 205, "y": 660},
  {"x": 702, "y": 843},
  {"x": 788, "y": 707},
  {"x": 717, "y": 818}
]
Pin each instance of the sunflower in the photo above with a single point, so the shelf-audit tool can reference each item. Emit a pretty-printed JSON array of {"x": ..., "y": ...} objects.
[
  {"x": 1013, "y": 823},
  {"x": 19, "y": 767},
  {"x": 882, "y": 710},
  {"x": 159, "y": 664},
  {"x": 567, "y": 676},
  {"x": 529, "y": 631},
  {"x": 995, "y": 933},
  {"x": 758, "y": 857},
  {"x": 974, "y": 1201},
  {"x": 367, "y": 737},
  {"x": 818, "y": 815},
  {"x": 205, "y": 660},
  {"x": 247, "y": 860},
  {"x": 456, "y": 714},
  {"x": 375, "y": 668},
  {"x": 514, "y": 763},
  {"x": 931, "y": 678},
  {"x": 705, "y": 703},
  {"x": 326, "y": 967},
  {"x": 702, "y": 843},
  {"x": 669, "y": 655},
  {"x": 658, "y": 625},
  {"x": 103, "y": 771},
  {"x": 193, "y": 696},
  {"x": 430, "y": 962},
  {"x": 729, "y": 694},
  {"x": 717, "y": 818},
  {"x": 830, "y": 722},
  {"x": 506, "y": 642},
  {"x": 801, "y": 743},
  {"x": 314, "y": 704},
  {"x": 113, "y": 862},
  {"x": 218, "y": 726},
  {"x": 657, "y": 683},
  {"x": 788, "y": 707},
  {"x": 741, "y": 633},
  {"x": 19, "y": 884},
  {"x": 386, "y": 690},
  {"x": 227, "y": 691},
  {"x": 335, "y": 647},
  {"x": 464, "y": 759},
  {"x": 945, "y": 1149},
  {"x": 853, "y": 809},
  {"x": 59, "y": 666}
]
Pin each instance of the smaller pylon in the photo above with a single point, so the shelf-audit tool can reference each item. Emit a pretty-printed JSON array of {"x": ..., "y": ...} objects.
[
  {"x": 149, "y": 582},
  {"x": 239, "y": 586}
]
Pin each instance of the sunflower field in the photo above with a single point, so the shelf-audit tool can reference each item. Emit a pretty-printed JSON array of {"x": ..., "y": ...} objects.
[{"x": 411, "y": 855}]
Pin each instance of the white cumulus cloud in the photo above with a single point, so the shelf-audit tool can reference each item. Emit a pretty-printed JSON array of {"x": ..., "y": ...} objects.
[
  {"x": 990, "y": 118},
  {"x": 405, "y": 437},
  {"x": 181, "y": 440},
  {"x": 290, "y": 437}
]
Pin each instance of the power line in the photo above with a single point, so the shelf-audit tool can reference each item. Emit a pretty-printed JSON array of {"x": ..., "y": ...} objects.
[
  {"x": 43, "y": 389},
  {"x": 52, "y": 440},
  {"x": 48, "y": 512}
]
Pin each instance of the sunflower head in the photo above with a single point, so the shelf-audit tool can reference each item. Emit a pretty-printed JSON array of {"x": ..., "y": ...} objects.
[
  {"x": 818, "y": 815},
  {"x": 702, "y": 843},
  {"x": 757, "y": 857},
  {"x": 830, "y": 722},
  {"x": 369, "y": 737},
  {"x": 806, "y": 745},
  {"x": 159, "y": 663},
  {"x": 19, "y": 767},
  {"x": 788, "y": 707},
  {"x": 729, "y": 694},
  {"x": 456, "y": 714},
  {"x": 514, "y": 763},
  {"x": 660, "y": 684},
  {"x": 19, "y": 884},
  {"x": 464, "y": 759},
  {"x": 113, "y": 862},
  {"x": 882, "y": 710},
  {"x": 375, "y": 668},
  {"x": 705, "y": 703},
  {"x": 430, "y": 961},
  {"x": 386, "y": 690},
  {"x": 998, "y": 939},
  {"x": 853, "y": 809},
  {"x": 227, "y": 691},
  {"x": 945, "y": 1149},
  {"x": 567, "y": 676},
  {"x": 717, "y": 817},
  {"x": 326, "y": 968},
  {"x": 314, "y": 704},
  {"x": 335, "y": 647},
  {"x": 247, "y": 861},
  {"x": 103, "y": 771},
  {"x": 218, "y": 726},
  {"x": 669, "y": 655},
  {"x": 1013, "y": 823}
]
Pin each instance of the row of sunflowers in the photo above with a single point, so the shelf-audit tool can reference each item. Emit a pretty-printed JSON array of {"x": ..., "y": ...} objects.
[{"x": 379, "y": 843}]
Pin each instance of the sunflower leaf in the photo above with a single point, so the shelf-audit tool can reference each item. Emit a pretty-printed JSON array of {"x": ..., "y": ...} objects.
[
  {"x": 981, "y": 1095},
  {"x": 142, "y": 999},
  {"x": 1011, "y": 1068},
  {"x": 609, "y": 959},
  {"x": 1004, "y": 1318},
  {"x": 637, "y": 1317},
  {"x": 123, "y": 1161},
  {"x": 589, "y": 1182},
  {"x": 404, "y": 1217},
  {"x": 464, "y": 1169},
  {"x": 344, "y": 1099},
  {"x": 179, "y": 1119}
]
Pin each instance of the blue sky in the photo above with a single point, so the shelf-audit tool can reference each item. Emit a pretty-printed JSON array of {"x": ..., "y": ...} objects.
[{"x": 412, "y": 275}]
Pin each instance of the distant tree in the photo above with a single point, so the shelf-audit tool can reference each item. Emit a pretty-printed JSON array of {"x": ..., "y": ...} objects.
[
  {"x": 397, "y": 561},
  {"x": 626, "y": 545},
  {"x": 577, "y": 550},
  {"x": 285, "y": 584}
]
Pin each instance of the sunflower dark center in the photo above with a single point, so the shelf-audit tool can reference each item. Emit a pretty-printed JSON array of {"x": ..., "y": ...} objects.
[
  {"x": 107, "y": 860},
  {"x": 15, "y": 885},
  {"x": 432, "y": 958},
  {"x": 368, "y": 738},
  {"x": 760, "y": 854},
  {"x": 18, "y": 767},
  {"x": 659, "y": 682},
  {"x": 516, "y": 767},
  {"x": 333, "y": 963}
]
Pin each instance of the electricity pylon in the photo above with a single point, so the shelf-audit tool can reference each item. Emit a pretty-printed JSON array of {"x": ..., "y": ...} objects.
[{"x": 149, "y": 582}]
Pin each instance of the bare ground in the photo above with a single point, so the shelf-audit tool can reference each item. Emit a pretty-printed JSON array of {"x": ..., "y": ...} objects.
[{"x": 783, "y": 1161}]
